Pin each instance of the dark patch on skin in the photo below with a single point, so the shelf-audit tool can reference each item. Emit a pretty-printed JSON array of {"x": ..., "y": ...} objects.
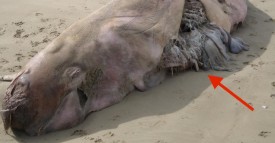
[{"x": 92, "y": 79}]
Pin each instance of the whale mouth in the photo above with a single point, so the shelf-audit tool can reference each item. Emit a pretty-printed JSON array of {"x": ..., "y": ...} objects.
[{"x": 82, "y": 97}]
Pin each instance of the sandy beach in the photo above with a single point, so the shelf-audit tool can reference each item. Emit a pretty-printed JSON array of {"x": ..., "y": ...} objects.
[{"x": 183, "y": 109}]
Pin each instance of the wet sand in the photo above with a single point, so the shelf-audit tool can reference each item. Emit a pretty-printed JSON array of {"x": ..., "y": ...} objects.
[{"x": 184, "y": 108}]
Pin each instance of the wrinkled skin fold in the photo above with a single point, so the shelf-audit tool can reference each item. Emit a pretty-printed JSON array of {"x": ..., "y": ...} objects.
[{"x": 125, "y": 45}]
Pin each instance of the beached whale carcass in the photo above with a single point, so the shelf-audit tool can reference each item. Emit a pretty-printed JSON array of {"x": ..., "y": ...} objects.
[{"x": 126, "y": 44}]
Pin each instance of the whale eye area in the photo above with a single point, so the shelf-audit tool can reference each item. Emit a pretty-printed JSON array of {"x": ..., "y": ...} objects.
[{"x": 72, "y": 72}]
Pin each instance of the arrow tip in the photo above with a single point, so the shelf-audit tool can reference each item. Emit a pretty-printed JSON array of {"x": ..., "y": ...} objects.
[{"x": 215, "y": 80}]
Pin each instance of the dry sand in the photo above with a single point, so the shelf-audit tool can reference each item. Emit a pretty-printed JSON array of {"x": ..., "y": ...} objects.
[{"x": 185, "y": 108}]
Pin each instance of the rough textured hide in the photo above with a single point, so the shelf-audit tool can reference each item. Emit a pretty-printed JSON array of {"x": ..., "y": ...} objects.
[{"x": 194, "y": 16}]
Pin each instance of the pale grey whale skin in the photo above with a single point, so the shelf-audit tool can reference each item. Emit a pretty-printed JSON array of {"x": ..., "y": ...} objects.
[{"x": 96, "y": 62}]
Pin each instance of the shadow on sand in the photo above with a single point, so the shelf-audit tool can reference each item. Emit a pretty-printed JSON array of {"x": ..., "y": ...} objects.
[{"x": 169, "y": 97}]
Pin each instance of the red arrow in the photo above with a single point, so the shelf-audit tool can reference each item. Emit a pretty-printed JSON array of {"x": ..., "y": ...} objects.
[{"x": 216, "y": 81}]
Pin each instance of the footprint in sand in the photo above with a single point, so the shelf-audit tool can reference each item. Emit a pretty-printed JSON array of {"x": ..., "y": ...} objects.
[
  {"x": 44, "y": 19},
  {"x": 79, "y": 133},
  {"x": 61, "y": 22},
  {"x": 250, "y": 56},
  {"x": 86, "y": 8},
  {"x": 46, "y": 40},
  {"x": 2, "y": 31},
  {"x": 98, "y": 141},
  {"x": 116, "y": 117},
  {"x": 119, "y": 141},
  {"x": 41, "y": 29},
  {"x": 18, "y": 23},
  {"x": 264, "y": 134},
  {"x": 18, "y": 33},
  {"x": 3, "y": 61},
  {"x": 263, "y": 48},
  {"x": 38, "y": 14},
  {"x": 17, "y": 68},
  {"x": 26, "y": 36},
  {"x": 54, "y": 33},
  {"x": 14, "y": 69},
  {"x": 246, "y": 63},
  {"x": 20, "y": 57},
  {"x": 32, "y": 53},
  {"x": 160, "y": 141},
  {"x": 108, "y": 135},
  {"x": 3, "y": 48},
  {"x": 269, "y": 20},
  {"x": 36, "y": 43}
]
